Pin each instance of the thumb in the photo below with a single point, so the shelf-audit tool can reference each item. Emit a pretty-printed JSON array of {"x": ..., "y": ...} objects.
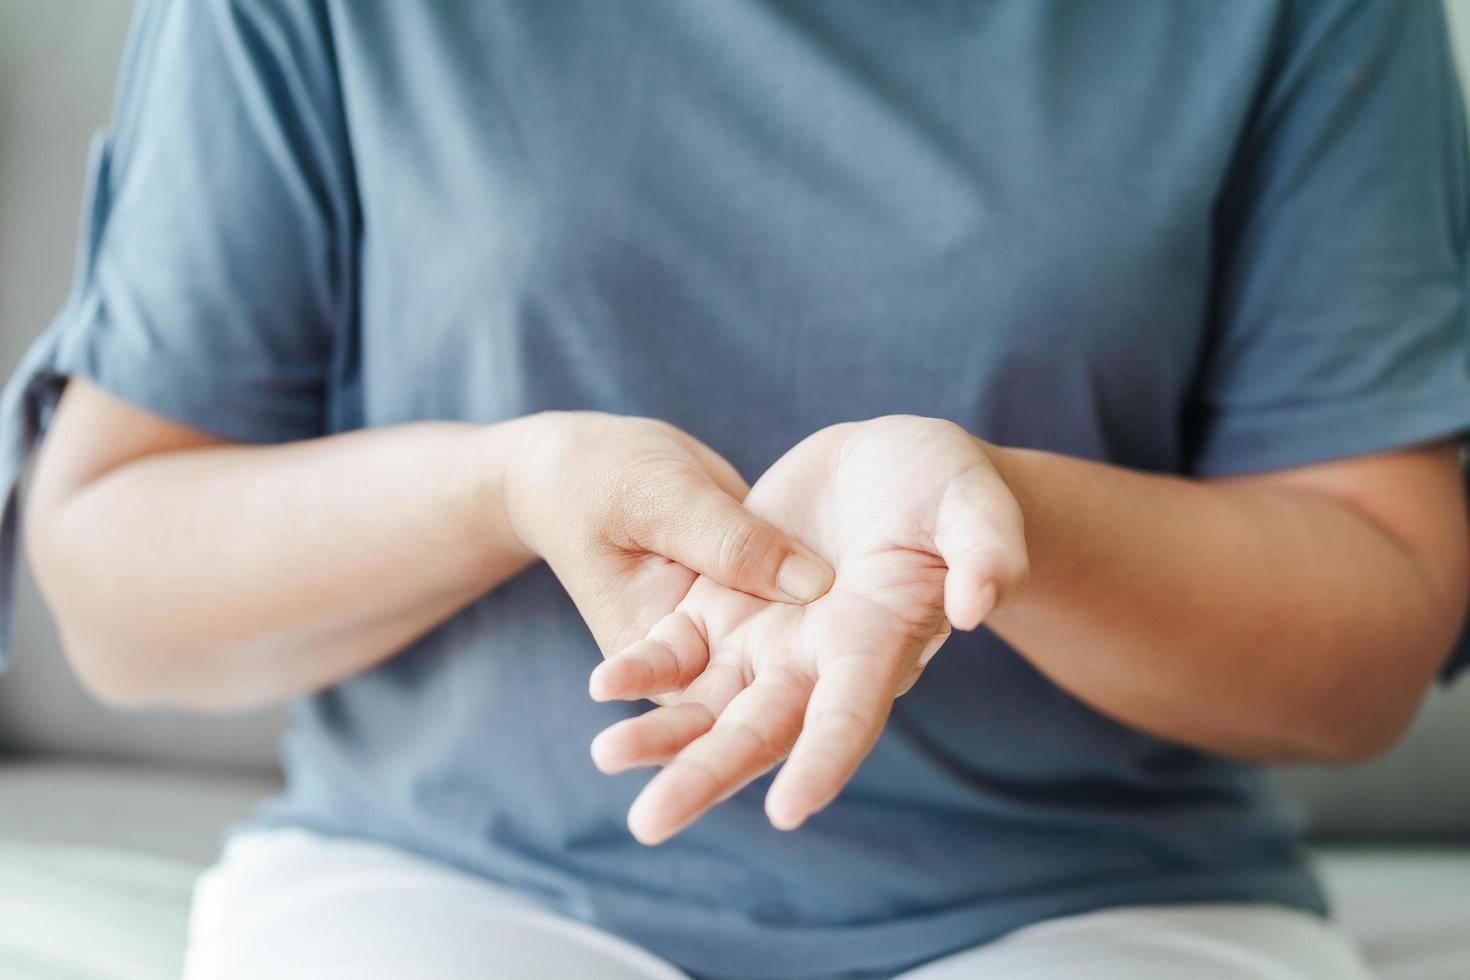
[
  {"x": 714, "y": 535},
  {"x": 979, "y": 534}
]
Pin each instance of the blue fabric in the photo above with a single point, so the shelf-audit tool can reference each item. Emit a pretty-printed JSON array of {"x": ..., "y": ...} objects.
[{"x": 1197, "y": 238}]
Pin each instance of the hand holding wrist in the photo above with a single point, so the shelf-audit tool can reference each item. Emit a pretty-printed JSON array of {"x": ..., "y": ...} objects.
[{"x": 627, "y": 511}]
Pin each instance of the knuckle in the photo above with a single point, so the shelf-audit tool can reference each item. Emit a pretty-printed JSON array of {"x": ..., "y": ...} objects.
[
  {"x": 819, "y": 765},
  {"x": 743, "y": 551},
  {"x": 765, "y": 750},
  {"x": 700, "y": 772},
  {"x": 666, "y": 668},
  {"x": 842, "y": 723},
  {"x": 667, "y": 738}
]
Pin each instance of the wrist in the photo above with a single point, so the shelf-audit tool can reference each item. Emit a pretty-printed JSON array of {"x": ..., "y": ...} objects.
[
  {"x": 531, "y": 470},
  {"x": 493, "y": 522},
  {"x": 1015, "y": 467}
]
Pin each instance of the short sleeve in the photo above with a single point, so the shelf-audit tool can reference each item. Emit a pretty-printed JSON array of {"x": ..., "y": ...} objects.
[
  {"x": 1339, "y": 310},
  {"x": 215, "y": 268}
]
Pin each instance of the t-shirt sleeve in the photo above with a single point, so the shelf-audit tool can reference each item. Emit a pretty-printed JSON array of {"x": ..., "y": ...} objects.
[
  {"x": 215, "y": 274},
  {"x": 1340, "y": 320}
]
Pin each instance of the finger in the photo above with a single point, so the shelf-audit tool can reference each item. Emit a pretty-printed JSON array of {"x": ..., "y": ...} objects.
[
  {"x": 672, "y": 655},
  {"x": 656, "y": 736},
  {"x": 848, "y": 708},
  {"x": 709, "y": 531},
  {"x": 750, "y": 736},
  {"x": 650, "y": 739},
  {"x": 621, "y": 605},
  {"x": 979, "y": 534}
]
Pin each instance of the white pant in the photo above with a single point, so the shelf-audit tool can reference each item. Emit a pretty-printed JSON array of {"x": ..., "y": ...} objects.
[{"x": 291, "y": 905}]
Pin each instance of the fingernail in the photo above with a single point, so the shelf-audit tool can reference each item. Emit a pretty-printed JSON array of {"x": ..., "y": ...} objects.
[{"x": 801, "y": 578}]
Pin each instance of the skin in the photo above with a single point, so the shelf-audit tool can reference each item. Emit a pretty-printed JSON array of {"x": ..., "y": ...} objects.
[
  {"x": 1295, "y": 615},
  {"x": 1311, "y": 606},
  {"x": 184, "y": 571},
  {"x": 923, "y": 533},
  {"x": 1346, "y": 584}
]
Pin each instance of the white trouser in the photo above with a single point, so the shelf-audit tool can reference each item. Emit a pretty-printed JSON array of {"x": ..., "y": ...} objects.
[{"x": 291, "y": 905}]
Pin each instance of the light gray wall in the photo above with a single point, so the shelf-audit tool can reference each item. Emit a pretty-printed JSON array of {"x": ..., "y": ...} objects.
[
  {"x": 58, "y": 63},
  {"x": 58, "y": 60}
]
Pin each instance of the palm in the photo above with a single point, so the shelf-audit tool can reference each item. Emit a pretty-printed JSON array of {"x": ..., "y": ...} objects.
[{"x": 744, "y": 681}]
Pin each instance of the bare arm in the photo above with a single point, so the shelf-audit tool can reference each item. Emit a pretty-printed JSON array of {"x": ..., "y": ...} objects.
[
  {"x": 187, "y": 571},
  {"x": 181, "y": 568},
  {"x": 1296, "y": 614}
]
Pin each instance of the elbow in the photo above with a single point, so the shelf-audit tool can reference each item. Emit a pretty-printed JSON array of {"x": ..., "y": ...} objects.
[
  {"x": 127, "y": 681},
  {"x": 1371, "y": 708},
  {"x": 118, "y": 695},
  {"x": 1354, "y": 731},
  {"x": 129, "y": 670},
  {"x": 111, "y": 676},
  {"x": 128, "y": 678},
  {"x": 1354, "y": 743},
  {"x": 113, "y": 672},
  {"x": 1344, "y": 743}
]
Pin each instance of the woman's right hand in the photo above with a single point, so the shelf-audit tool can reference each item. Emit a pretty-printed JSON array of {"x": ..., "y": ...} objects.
[
  {"x": 629, "y": 511},
  {"x": 190, "y": 572}
]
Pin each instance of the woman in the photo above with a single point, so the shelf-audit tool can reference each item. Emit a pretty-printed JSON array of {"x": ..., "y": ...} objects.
[{"x": 417, "y": 354}]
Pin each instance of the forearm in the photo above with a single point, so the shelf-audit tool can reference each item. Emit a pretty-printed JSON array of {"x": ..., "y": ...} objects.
[
  {"x": 233, "y": 575},
  {"x": 1261, "y": 622}
]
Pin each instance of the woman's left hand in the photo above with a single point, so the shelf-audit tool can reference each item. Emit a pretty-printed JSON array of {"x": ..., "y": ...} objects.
[{"x": 923, "y": 535}]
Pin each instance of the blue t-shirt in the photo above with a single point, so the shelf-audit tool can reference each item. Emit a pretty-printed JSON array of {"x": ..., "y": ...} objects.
[{"x": 1198, "y": 238}]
